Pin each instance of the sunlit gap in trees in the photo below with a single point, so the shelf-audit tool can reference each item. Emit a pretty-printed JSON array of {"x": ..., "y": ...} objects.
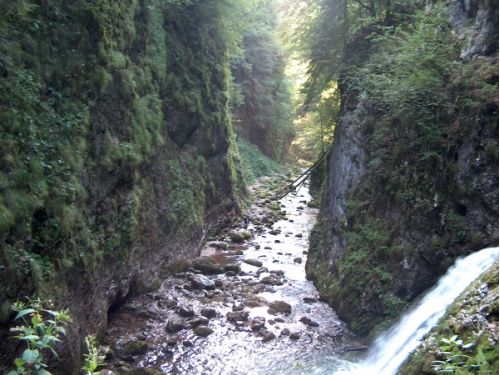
[{"x": 314, "y": 119}]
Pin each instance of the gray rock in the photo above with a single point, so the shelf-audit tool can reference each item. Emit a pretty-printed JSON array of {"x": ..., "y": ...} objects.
[
  {"x": 271, "y": 280},
  {"x": 198, "y": 321},
  {"x": 309, "y": 299},
  {"x": 281, "y": 307},
  {"x": 268, "y": 336},
  {"x": 126, "y": 348},
  {"x": 201, "y": 282},
  {"x": 237, "y": 316},
  {"x": 253, "y": 262},
  {"x": 175, "y": 325},
  {"x": 285, "y": 332},
  {"x": 208, "y": 312},
  {"x": 206, "y": 266},
  {"x": 186, "y": 311},
  {"x": 308, "y": 321},
  {"x": 297, "y": 260},
  {"x": 172, "y": 341},
  {"x": 294, "y": 336},
  {"x": 232, "y": 268},
  {"x": 203, "y": 331}
]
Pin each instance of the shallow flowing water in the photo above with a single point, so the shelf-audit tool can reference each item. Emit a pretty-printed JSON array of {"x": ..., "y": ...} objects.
[
  {"x": 263, "y": 341},
  {"x": 233, "y": 347}
]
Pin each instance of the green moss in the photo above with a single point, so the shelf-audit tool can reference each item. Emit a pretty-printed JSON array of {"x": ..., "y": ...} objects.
[{"x": 254, "y": 163}]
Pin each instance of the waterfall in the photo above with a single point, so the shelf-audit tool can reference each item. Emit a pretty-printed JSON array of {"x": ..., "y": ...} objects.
[{"x": 392, "y": 348}]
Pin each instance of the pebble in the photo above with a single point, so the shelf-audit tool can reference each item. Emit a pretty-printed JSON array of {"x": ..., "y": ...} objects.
[
  {"x": 253, "y": 262},
  {"x": 285, "y": 332},
  {"x": 208, "y": 312}
]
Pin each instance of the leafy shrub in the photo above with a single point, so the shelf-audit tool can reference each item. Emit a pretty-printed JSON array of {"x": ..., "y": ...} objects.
[{"x": 41, "y": 330}]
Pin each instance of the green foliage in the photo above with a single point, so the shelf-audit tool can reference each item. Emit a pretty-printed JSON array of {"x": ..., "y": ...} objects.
[
  {"x": 96, "y": 97},
  {"x": 93, "y": 358},
  {"x": 261, "y": 97},
  {"x": 459, "y": 358},
  {"x": 254, "y": 163},
  {"x": 40, "y": 331}
]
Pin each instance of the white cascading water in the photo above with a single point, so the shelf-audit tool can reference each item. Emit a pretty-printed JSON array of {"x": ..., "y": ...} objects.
[{"x": 393, "y": 347}]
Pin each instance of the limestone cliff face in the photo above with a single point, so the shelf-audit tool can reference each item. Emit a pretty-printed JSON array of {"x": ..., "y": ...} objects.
[
  {"x": 115, "y": 155},
  {"x": 403, "y": 198}
]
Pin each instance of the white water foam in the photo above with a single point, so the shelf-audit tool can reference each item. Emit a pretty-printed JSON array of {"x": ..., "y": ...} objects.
[{"x": 393, "y": 347}]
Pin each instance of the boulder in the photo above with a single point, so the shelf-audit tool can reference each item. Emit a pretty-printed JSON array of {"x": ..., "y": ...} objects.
[
  {"x": 206, "y": 266},
  {"x": 201, "y": 282},
  {"x": 280, "y": 307}
]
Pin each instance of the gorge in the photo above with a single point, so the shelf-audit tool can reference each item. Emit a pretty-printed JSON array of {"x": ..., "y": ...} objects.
[{"x": 146, "y": 153}]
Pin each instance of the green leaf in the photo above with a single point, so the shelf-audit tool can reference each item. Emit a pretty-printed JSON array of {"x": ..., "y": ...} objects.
[
  {"x": 12, "y": 372},
  {"x": 42, "y": 371},
  {"x": 31, "y": 356},
  {"x": 24, "y": 312},
  {"x": 19, "y": 362},
  {"x": 30, "y": 337}
]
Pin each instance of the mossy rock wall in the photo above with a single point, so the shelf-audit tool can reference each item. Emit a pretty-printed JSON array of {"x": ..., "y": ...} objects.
[
  {"x": 115, "y": 150},
  {"x": 412, "y": 178}
]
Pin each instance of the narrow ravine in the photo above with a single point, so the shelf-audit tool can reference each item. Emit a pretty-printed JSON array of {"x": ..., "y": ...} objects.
[{"x": 244, "y": 309}]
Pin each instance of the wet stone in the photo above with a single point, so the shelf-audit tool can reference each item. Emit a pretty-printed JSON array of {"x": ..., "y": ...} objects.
[
  {"x": 232, "y": 268},
  {"x": 268, "y": 336},
  {"x": 262, "y": 270},
  {"x": 206, "y": 266},
  {"x": 186, "y": 311},
  {"x": 172, "y": 341},
  {"x": 299, "y": 235},
  {"x": 258, "y": 324},
  {"x": 126, "y": 348},
  {"x": 280, "y": 307},
  {"x": 199, "y": 321},
  {"x": 309, "y": 299},
  {"x": 208, "y": 312},
  {"x": 187, "y": 344},
  {"x": 203, "y": 331},
  {"x": 297, "y": 260},
  {"x": 279, "y": 320},
  {"x": 271, "y": 280},
  {"x": 308, "y": 321},
  {"x": 285, "y": 332},
  {"x": 294, "y": 336},
  {"x": 253, "y": 262},
  {"x": 237, "y": 316},
  {"x": 174, "y": 325},
  {"x": 201, "y": 282}
]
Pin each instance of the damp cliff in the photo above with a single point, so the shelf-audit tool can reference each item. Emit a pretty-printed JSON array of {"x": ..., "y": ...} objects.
[
  {"x": 115, "y": 151},
  {"x": 412, "y": 176}
]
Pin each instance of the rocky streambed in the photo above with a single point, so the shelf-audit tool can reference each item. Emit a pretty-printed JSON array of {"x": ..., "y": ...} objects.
[{"x": 243, "y": 307}]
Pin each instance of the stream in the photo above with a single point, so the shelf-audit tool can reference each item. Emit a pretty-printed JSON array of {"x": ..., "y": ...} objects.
[
  {"x": 262, "y": 318},
  {"x": 245, "y": 307}
]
